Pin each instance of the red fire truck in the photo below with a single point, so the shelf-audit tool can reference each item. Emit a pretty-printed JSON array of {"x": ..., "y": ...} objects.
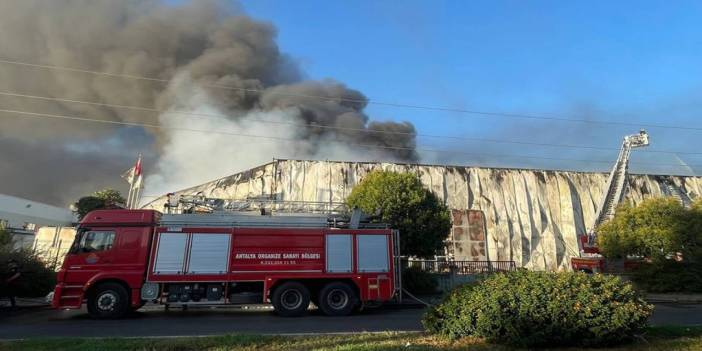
[{"x": 123, "y": 259}]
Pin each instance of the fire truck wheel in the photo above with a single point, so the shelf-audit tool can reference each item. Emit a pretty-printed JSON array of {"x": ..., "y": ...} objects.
[
  {"x": 291, "y": 299},
  {"x": 337, "y": 299},
  {"x": 109, "y": 300}
]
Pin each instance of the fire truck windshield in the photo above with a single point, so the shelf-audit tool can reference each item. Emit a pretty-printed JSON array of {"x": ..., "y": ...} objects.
[
  {"x": 92, "y": 241},
  {"x": 76, "y": 241}
]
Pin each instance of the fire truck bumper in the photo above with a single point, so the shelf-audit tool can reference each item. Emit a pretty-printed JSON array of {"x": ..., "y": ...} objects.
[
  {"x": 67, "y": 297},
  {"x": 56, "y": 297}
]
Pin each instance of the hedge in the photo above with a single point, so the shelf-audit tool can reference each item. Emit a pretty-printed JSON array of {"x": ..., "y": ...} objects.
[
  {"x": 36, "y": 279},
  {"x": 418, "y": 281},
  {"x": 525, "y": 308}
]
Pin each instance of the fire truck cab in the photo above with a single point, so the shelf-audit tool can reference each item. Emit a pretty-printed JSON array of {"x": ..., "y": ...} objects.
[{"x": 123, "y": 259}]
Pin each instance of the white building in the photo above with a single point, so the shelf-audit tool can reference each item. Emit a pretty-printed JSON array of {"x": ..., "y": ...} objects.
[
  {"x": 528, "y": 216},
  {"x": 24, "y": 217},
  {"x": 52, "y": 244}
]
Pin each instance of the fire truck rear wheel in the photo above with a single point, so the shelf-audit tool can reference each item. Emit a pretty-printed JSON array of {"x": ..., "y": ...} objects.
[
  {"x": 291, "y": 299},
  {"x": 108, "y": 301},
  {"x": 337, "y": 299}
]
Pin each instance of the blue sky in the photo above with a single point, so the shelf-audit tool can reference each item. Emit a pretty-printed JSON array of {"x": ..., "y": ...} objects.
[{"x": 631, "y": 61}]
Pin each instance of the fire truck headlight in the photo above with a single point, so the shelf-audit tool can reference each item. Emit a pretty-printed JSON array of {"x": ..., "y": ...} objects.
[{"x": 149, "y": 291}]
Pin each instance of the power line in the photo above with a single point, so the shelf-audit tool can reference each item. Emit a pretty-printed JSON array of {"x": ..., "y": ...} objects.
[
  {"x": 369, "y": 101},
  {"x": 370, "y": 146},
  {"x": 312, "y": 125}
]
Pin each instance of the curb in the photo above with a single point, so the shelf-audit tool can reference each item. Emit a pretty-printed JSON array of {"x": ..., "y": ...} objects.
[
  {"x": 397, "y": 306},
  {"x": 691, "y": 299},
  {"x": 674, "y": 301}
]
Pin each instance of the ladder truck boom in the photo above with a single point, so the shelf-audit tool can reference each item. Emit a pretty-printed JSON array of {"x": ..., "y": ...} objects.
[
  {"x": 613, "y": 195},
  {"x": 617, "y": 180}
]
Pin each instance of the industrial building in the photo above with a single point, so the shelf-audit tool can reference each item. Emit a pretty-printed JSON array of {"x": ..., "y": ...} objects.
[
  {"x": 531, "y": 217},
  {"x": 22, "y": 218}
]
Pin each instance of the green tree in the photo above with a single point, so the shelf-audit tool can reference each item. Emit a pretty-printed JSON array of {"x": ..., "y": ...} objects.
[
  {"x": 403, "y": 202},
  {"x": 656, "y": 229},
  {"x": 107, "y": 198},
  {"x": 668, "y": 235},
  {"x": 692, "y": 234},
  {"x": 5, "y": 238},
  {"x": 111, "y": 196}
]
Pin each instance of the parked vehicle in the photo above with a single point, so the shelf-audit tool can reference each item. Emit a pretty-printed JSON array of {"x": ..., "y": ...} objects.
[
  {"x": 122, "y": 259},
  {"x": 593, "y": 262}
]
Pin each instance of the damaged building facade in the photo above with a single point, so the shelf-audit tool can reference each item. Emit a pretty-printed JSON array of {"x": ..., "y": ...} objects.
[{"x": 531, "y": 217}]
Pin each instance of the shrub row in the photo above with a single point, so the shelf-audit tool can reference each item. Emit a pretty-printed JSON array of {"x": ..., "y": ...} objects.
[
  {"x": 418, "y": 281},
  {"x": 540, "y": 308},
  {"x": 36, "y": 279},
  {"x": 669, "y": 276}
]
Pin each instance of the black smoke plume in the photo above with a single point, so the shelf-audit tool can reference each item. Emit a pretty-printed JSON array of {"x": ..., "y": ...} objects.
[{"x": 206, "y": 44}]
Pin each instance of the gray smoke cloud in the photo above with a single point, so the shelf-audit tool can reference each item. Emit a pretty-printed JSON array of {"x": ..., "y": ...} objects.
[{"x": 206, "y": 43}]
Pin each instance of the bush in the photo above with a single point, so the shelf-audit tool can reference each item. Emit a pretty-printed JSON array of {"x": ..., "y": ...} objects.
[
  {"x": 669, "y": 276},
  {"x": 5, "y": 239},
  {"x": 417, "y": 281},
  {"x": 36, "y": 279},
  {"x": 539, "y": 308}
]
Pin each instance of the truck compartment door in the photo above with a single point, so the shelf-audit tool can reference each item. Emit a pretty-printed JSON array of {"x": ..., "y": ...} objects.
[
  {"x": 373, "y": 253},
  {"x": 170, "y": 255},
  {"x": 209, "y": 253},
  {"x": 339, "y": 253}
]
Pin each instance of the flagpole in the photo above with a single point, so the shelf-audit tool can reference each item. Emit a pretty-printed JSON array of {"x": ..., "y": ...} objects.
[
  {"x": 138, "y": 183},
  {"x": 129, "y": 197},
  {"x": 135, "y": 201},
  {"x": 133, "y": 177}
]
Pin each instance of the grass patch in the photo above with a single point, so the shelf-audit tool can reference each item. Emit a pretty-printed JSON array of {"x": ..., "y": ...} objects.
[{"x": 655, "y": 338}]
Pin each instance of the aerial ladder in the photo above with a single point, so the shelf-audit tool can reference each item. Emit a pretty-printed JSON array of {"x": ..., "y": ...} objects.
[{"x": 589, "y": 258}]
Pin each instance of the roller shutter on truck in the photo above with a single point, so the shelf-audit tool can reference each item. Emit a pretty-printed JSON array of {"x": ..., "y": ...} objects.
[
  {"x": 170, "y": 255},
  {"x": 339, "y": 253},
  {"x": 192, "y": 253},
  {"x": 373, "y": 253}
]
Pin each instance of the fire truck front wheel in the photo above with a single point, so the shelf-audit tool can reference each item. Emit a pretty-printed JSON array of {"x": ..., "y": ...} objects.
[
  {"x": 337, "y": 299},
  {"x": 291, "y": 299},
  {"x": 108, "y": 300}
]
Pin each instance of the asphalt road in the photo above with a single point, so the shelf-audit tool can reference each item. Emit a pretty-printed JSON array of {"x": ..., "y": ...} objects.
[
  {"x": 677, "y": 314},
  {"x": 157, "y": 322}
]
